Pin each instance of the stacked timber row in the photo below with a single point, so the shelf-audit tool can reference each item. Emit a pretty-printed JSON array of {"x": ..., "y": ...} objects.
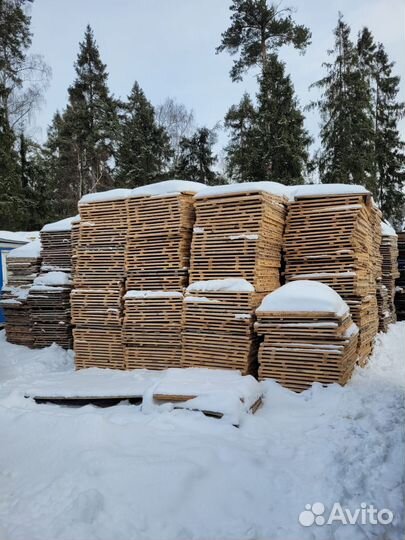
[
  {"x": 75, "y": 233},
  {"x": 49, "y": 297},
  {"x": 307, "y": 336},
  {"x": 160, "y": 224},
  {"x": 49, "y": 304},
  {"x": 99, "y": 280},
  {"x": 23, "y": 265},
  {"x": 152, "y": 329},
  {"x": 389, "y": 256},
  {"x": 333, "y": 235},
  {"x": 400, "y": 284},
  {"x": 238, "y": 234},
  {"x": 217, "y": 326}
]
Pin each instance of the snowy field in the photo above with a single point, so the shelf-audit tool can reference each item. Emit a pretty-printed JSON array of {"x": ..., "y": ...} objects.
[{"x": 126, "y": 474}]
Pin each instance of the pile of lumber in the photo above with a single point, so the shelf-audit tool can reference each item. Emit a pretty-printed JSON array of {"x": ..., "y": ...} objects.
[
  {"x": 75, "y": 241},
  {"x": 56, "y": 243},
  {"x": 307, "y": 336},
  {"x": 23, "y": 265},
  {"x": 160, "y": 224},
  {"x": 238, "y": 233},
  {"x": 389, "y": 256},
  {"x": 400, "y": 290},
  {"x": 217, "y": 325},
  {"x": 49, "y": 304},
  {"x": 152, "y": 329},
  {"x": 99, "y": 277},
  {"x": 384, "y": 314},
  {"x": 333, "y": 235}
]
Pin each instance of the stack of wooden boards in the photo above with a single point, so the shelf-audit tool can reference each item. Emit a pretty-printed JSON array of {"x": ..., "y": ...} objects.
[
  {"x": 217, "y": 325},
  {"x": 99, "y": 279},
  {"x": 333, "y": 235},
  {"x": 23, "y": 265},
  {"x": 400, "y": 291},
  {"x": 389, "y": 256},
  {"x": 239, "y": 233},
  {"x": 132, "y": 243},
  {"x": 152, "y": 329},
  {"x": 49, "y": 297},
  {"x": 49, "y": 304},
  {"x": 307, "y": 336},
  {"x": 235, "y": 261}
]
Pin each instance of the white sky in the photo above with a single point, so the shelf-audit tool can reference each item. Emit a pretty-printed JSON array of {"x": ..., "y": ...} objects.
[{"x": 168, "y": 46}]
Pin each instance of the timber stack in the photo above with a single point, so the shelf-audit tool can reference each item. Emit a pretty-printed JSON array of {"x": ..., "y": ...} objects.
[
  {"x": 400, "y": 284},
  {"x": 157, "y": 259},
  {"x": 333, "y": 235},
  {"x": 56, "y": 240},
  {"x": 217, "y": 325},
  {"x": 237, "y": 241},
  {"x": 99, "y": 280},
  {"x": 389, "y": 256},
  {"x": 307, "y": 336},
  {"x": 23, "y": 265}
]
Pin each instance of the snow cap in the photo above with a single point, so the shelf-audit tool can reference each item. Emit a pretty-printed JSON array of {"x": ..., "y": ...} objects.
[
  {"x": 167, "y": 188},
  {"x": 153, "y": 294},
  {"x": 59, "y": 226},
  {"x": 312, "y": 190},
  {"x": 304, "y": 296},
  {"x": 53, "y": 279},
  {"x": 387, "y": 230},
  {"x": 274, "y": 188},
  {"x": 101, "y": 196},
  {"x": 31, "y": 250},
  {"x": 221, "y": 285}
]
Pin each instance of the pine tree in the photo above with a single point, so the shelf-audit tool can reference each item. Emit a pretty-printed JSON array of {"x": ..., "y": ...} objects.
[
  {"x": 197, "y": 159},
  {"x": 81, "y": 138},
  {"x": 389, "y": 157},
  {"x": 257, "y": 30},
  {"x": 347, "y": 131},
  {"x": 144, "y": 146}
]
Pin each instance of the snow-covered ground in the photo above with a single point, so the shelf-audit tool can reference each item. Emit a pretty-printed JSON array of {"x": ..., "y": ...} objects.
[{"x": 126, "y": 474}]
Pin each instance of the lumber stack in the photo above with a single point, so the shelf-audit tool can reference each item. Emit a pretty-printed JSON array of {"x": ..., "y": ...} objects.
[
  {"x": 99, "y": 277},
  {"x": 389, "y": 256},
  {"x": 384, "y": 315},
  {"x": 217, "y": 325},
  {"x": 56, "y": 243},
  {"x": 159, "y": 238},
  {"x": 152, "y": 329},
  {"x": 307, "y": 336},
  {"x": 400, "y": 284},
  {"x": 49, "y": 304},
  {"x": 23, "y": 265},
  {"x": 75, "y": 233},
  {"x": 333, "y": 235},
  {"x": 238, "y": 233}
]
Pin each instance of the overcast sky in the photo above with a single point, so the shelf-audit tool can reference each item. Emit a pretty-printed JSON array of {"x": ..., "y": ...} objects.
[{"x": 168, "y": 46}]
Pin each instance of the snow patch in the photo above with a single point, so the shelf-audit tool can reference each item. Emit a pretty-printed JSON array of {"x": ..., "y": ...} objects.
[{"x": 221, "y": 285}]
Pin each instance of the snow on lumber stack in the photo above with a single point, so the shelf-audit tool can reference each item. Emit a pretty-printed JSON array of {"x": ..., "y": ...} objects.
[
  {"x": 49, "y": 304},
  {"x": 160, "y": 229},
  {"x": 333, "y": 235},
  {"x": 152, "y": 329},
  {"x": 23, "y": 265},
  {"x": 217, "y": 327},
  {"x": 400, "y": 284},
  {"x": 390, "y": 273},
  {"x": 57, "y": 246},
  {"x": 238, "y": 233},
  {"x": 308, "y": 336}
]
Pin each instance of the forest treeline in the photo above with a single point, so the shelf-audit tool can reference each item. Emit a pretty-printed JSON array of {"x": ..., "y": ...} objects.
[{"x": 100, "y": 142}]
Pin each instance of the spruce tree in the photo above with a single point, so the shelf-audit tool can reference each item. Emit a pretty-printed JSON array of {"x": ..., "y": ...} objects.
[
  {"x": 81, "y": 138},
  {"x": 197, "y": 159},
  {"x": 389, "y": 157},
  {"x": 242, "y": 164},
  {"x": 347, "y": 131},
  {"x": 144, "y": 146}
]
